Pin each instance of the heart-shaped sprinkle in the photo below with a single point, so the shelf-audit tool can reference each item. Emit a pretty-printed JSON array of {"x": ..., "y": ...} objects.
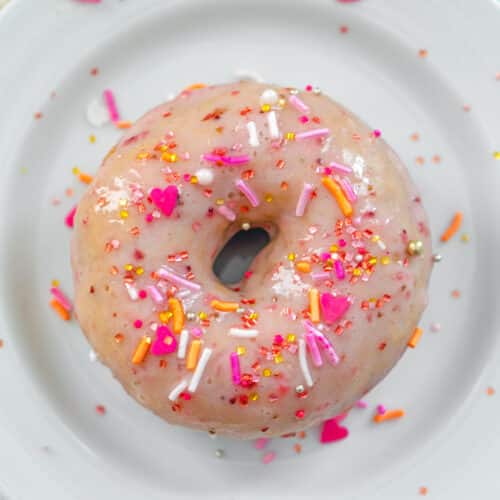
[
  {"x": 332, "y": 431},
  {"x": 165, "y": 342},
  {"x": 333, "y": 308},
  {"x": 166, "y": 199}
]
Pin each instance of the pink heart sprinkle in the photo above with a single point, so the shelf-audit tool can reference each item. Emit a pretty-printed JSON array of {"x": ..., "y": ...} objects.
[
  {"x": 332, "y": 431},
  {"x": 333, "y": 308},
  {"x": 165, "y": 200},
  {"x": 69, "y": 220},
  {"x": 159, "y": 346}
]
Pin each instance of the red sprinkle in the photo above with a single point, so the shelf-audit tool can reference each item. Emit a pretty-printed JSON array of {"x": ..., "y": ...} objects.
[
  {"x": 138, "y": 323},
  {"x": 100, "y": 409}
]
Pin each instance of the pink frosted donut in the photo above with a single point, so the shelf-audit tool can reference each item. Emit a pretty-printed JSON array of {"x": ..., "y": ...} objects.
[{"x": 325, "y": 309}]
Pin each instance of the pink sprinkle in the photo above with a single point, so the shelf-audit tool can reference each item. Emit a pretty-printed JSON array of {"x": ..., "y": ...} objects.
[
  {"x": 348, "y": 190},
  {"x": 177, "y": 280},
  {"x": 309, "y": 88},
  {"x": 137, "y": 323},
  {"x": 313, "y": 349},
  {"x": 303, "y": 119},
  {"x": 248, "y": 192},
  {"x": 333, "y": 307},
  {"x": 304, "y": 199},
  {"x": 61, "y": 298},
  {"x": 435, "y": 327},
  {"x": 143, "y": 294},
  {"x": 100, "y": 410},
  {"x": 320, "y": 276},
  {"x": 332, "y": 431},
  {"x": 377, "y": 133},
  {"x": 166, "y": 199},
  {"x": 268, "y": 457},
  {"x": 381, "y": 409},
  {"x": 235, "y": 368},
  {"x": 324, "y": 342},
  {"x": 339, "y": 270},
  {"x": 298, "y": 104},
  {"x": 235, "y": 160},
  {"x": 196, "y": 332},
  {"x": 109, "y": 99},
  {"x": 149, "y": 217},
  {"x": 361, "y": 404},
  {"x": 226, "y": 212},
  {"x": 69, "y": 220},
  {"x": 160, "y": 346},
  {"x": 318, "y": 132},
  {"x": 211, "y": 158},
  {"x": 155, "y": 294},
  {"x": 261, "y": 443},
  {"x": 342, "y": 242},
  {"x": 339, "y": 168}
]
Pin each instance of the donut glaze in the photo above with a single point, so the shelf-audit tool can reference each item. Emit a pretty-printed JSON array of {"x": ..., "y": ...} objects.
[{"x": 326, "y": 308}]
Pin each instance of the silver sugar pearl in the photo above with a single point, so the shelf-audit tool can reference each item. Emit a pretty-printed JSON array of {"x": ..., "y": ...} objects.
[
  {"x": 219, "y": 453},
  {"x": 190, "y": 316},
  {"x": 437, "y": 257},
  {"x": 316, "y": 91},
  {"x": 299, "y": 389},
  {"x": 245, "y": 226}
]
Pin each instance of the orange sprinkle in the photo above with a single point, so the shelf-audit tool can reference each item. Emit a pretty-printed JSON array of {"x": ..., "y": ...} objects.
[
  {"x": 453, "y": 227},
  {"x": 85, "y": 178},
  {"x": 194, "y": 352},
  {"x": 423, "y": 490},
  {"x": 297, "y": 447},
  {"x": 141, "y": 350},
  {"x": 195, "y": 86},
  {"x": 303, "y": 267},
  {"x": 177, "y": 311},
  {"x": 224, "y": 306},
  {"x": 314, "y": 304},
  {"x": 337, "y": 193},
  {"x": 417, "y": 333},
  {"x": 123, "y": 124},
  {"x": 59, "y": 309},
  {"x": 388, "y": 415},
  {"x": 490, "y": 391}
]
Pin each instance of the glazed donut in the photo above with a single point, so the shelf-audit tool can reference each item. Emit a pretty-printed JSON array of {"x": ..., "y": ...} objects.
[{"x": 321, "y": 313}]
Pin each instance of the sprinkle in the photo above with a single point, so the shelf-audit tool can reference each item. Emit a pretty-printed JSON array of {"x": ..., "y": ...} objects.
[
  {"x": 261, "y": 443},
  {"x": 290, "y": 136},
  {"x": 109, "y": 99},
  {"x": 61, "y": 298},
  {"x": 183, "y": 340},
  {"x": 333, "y": 307},
  {"x": 242, "y": 333},
  {"x": 339, "y": 270},
  {"x": 324, "y": 342},
  {"x": 339, "y": 168},
  {"x": 132, "y": 291},
  {"x": 235, "y": 368},
  {"x": 137, "y": 323},
  {"x": 417, "y": 333},
  {"x": 248, "y": 192},
  {"x": 193, "y": 353},
  {"x": 304, "y": 198},
  {"x": 141, "y": 350},
  {"x": 435, "y": 327},
  {"x": 313, "y": 349},
  {"x": 303, "y": 363},
  {"x": 205, "y": 176},
  {"x": 253, "y": 137},
  {"x": 177, "y": 280},
  {"x": 269, "y": 96},
  {"x": 298, "y": 104},
  {"x": 272, "y": 122},
  {"x": 423, "y": 490},
  {"x": 496, "y": 155},
  {"x": 177, "y": 310},
  {"x": 381, "y": 409},
  {"x": 490, "y": 391},
  {"x": 165, "y": 342},
  {"x": 165, "y": 199},
  {"x": 60, "y": 310},
  {"x": 155, "y": 294},
  {"x": 224, "y": 306},
  {"x": 331, "y": 431},
  {"x": 453, "y": 227},
  {"x": 303, "y": 267},
  {"x": 219, "y": 453},
  {"x": 437, "y": 257},
  {"x": 388, "y": 415},
  {"x": 226, "y": 212},
  {"x": 361, "y": 404},
  {"x": 319, "y": 132},
  {"x": 320, "y": 276},
  {"x": 348, "y": 190},
  {"x": 268, "y": 457},
  {"x": 314, "y": 305},
  {"x": 200, "y": 368},
  {"x": 123, "y": 124},
  {"x": 337, "y": 193},
  {"x": 177, "y": 390},
  {"x": 69, "y": 220}
]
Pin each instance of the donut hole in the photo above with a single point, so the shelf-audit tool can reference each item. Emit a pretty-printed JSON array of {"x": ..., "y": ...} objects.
[{"x": 235, "y": 258}]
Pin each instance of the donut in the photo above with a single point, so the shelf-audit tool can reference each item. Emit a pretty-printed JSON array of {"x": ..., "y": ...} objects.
[{"x": 319, "y": 313}]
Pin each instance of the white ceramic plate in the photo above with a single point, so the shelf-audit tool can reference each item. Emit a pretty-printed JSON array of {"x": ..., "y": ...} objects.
[{"x": 53, "y": 444}]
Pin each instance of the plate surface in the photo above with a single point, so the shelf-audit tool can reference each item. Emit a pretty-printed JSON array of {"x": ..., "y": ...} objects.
[{"x": 407, "y": 69}]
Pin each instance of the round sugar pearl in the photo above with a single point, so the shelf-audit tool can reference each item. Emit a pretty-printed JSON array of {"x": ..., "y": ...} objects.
[
  {"x": 269, "y": 96},
  {"x": 205, "y": 176}
]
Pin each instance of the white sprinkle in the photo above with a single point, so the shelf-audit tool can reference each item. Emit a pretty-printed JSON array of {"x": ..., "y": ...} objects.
[
  {"x": 97, "y": 113},
  {"x": 205, "y": 176},
  {"x": 253, "y": 138},
  {"x": 200, "y": 368},
  {"x": 242, "y": 333},
  {"x": 381, "y": 245},
  {"x": 176, "y": 391},
  {"x": 269, "y": 96},
  {"x": 183, "y": 340},
  {"x": 132, "y": 291},
  {"x": 303, "y": 363},
  {"x": 272, "y": 121}
]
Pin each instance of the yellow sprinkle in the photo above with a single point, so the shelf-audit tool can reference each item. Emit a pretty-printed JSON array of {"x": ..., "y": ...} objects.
[
  {"x": 496, "y": 155},
  {"x": 385, "y": 260},
  {"x": 265, "y": 108},
  {"x": 164, "y": 316},
  {"x": 129, "y": 267},
  {"x": 372, "y": 261},
  {"x": 254, "y": 315},
  {"x": 268, "y": 198},
  {"x": 465, "y": 238},
  {"x": 290, "y": 338},
  {"x": 163, "y": 148},
  {"x": 291, "y": 256},
  {"x": 357, "y": 272},
  {"x": 254, "y": 396},
  {"x": 334, "y": 248},
  {"x": 55, "y": 283},
  {"x": 278, "y": 359},
  {"x": 124, "y": 214},
  {"x": 92, "y": 138},
  {"x": 290, "y": 136},
  {"x": 139, "y": 271},
  {"x": 202, "y": 315},
  {"x": 219, "y": 201},
  {"x": 194, "y": 179},
  {"x": 375, "y": 238},
  {"x": 266, "y": 372},
  {"x": 240, "y": 350},
  {"x": 75, "y": 170},
  {"x": 170, "y": 157},
  {"x": 142, "y": 156}
]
